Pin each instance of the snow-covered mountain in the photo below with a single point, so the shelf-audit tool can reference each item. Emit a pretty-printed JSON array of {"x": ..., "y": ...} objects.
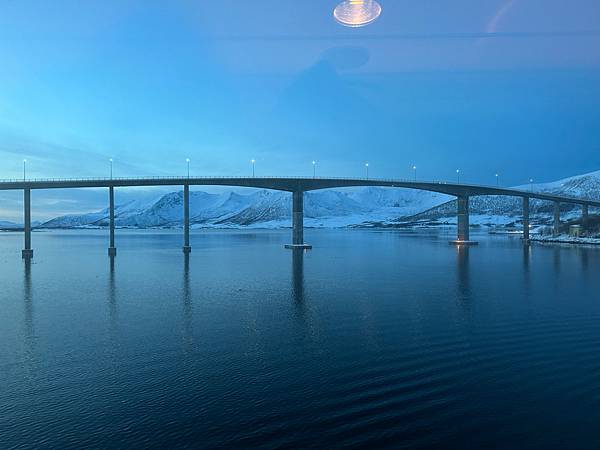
[
  {"x": 263, "y": 208},
  {"x": 8, "y": 226},
  {"x": 5, "y": 225},
  {"x": 99, "y": 218},
  {"x": 331, "y": 208}
]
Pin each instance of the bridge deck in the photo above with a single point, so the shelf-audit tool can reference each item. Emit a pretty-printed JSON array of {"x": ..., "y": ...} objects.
[{"x": 290, "y": 184}]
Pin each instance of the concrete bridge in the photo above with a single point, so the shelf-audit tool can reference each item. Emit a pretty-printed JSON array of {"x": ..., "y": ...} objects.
[{"x": 297, "y": 186}]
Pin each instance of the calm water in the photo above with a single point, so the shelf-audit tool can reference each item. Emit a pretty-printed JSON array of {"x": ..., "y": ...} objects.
[{"x": 373, "y": 338}]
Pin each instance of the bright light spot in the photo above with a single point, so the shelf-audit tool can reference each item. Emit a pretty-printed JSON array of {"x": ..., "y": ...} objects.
[{"x": 357, "y": 13}]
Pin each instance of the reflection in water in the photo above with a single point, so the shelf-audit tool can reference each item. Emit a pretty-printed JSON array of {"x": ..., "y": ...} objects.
[
  {"x": 112, "y": 295},
  {"x": 526, "y": 269},
  {"x": 298, "y": 276},
  {"x": 583, "y": 252},
  {"x": 187, "y": 303},
  {"x": 303, "y": 311},
  {"x": 526, "y": 257},
  {"x": 27, "y": 298},
  {"x": 462, "y": 269},
  {"x": 30, "y": 344},
  {"x": 556, "y": 259}
]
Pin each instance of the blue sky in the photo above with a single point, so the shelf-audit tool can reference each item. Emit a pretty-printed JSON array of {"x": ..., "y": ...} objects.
[{"x": 508, "y": 86}]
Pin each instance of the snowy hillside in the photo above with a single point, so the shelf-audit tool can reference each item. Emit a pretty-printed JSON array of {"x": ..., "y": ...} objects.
[
  {"x": 493, "y": 210},
  {"x": 263, "y": 208},
  {"x": 5, "y": 225}
]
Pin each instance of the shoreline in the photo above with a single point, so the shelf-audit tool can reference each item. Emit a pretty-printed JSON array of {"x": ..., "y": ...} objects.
[{"x": 565, "y": 240}]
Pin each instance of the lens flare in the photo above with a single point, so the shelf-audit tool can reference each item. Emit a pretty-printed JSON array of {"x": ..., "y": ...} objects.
[{"x": 357, "y": 13}]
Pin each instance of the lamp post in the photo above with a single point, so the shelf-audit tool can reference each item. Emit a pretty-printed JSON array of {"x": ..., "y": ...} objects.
[
  {"x": 187, "y": 160},
  {"x": 531, "y": 184},
  {"x": 367, "y": 168},
  {"x": 314, "y": 163},
  {"x": 253, "y": 161},
  {"x": 111, "y": 167},
  {"x": 24, "y": 169},
  {"x": 458, "y": 176},
  {"x": 415, "y": 172},
  {"x": 497, "y": 181}
]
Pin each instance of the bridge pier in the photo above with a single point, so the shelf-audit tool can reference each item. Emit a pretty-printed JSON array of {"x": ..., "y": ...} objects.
[
  {"x": 556, "y": 228},
  {"x": 463, "y": 221},
  {"x": 526, "y": 220},
  {"x": 112, "y": 250},
  {"x": 186, "y": 219},
  {"x": 27, "y": 252},
  {"x": 585, "y": 216},
  {"x": 298, "y": 222}
]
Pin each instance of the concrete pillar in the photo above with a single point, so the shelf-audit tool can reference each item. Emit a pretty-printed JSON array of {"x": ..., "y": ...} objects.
[
  {"x": 556, "y": 229},
  {"x": 298, "y": 218},
  {"x": 27, "y": 252},
  {"x": 298, "y": 222},
  {"x": 526, "y": 220},
  {"x": 463, "y": 218},
  {"x": 463, "y": 221},
  {"x": 585, "y": 215},
  {"x": 112, "y": 250},
  {"x": 186, "y": 219}
]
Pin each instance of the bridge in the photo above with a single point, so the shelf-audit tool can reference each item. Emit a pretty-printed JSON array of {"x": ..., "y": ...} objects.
[{"x": 297, "y": 186}]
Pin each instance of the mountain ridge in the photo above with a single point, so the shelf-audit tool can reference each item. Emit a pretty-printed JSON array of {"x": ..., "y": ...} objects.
[{"x": 367, "y": 206}]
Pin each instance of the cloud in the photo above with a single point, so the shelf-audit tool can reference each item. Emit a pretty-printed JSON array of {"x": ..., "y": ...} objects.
[{"x": 50, "y": 159}]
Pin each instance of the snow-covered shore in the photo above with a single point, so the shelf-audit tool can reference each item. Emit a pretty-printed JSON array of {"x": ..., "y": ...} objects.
[{"x": 566, "y": 239}]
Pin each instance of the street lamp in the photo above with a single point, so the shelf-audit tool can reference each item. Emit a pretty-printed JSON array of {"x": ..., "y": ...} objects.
[
  {"x": 253, "y": 161},
  {"x": 314, "y": 169},
  {"x": 111, "y": 172},
  {"x": 187, "y": 160},
  {"x": 415, "y": 172},
  {"x": 531, "y": 184},
  {"x": 367, "y": 167},
  {"x": 24, "y": 169},
  {"x": 458, "y": 176},
  {"x": 497, "y": 181}
]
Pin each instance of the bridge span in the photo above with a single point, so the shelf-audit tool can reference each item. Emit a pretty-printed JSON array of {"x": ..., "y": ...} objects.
[{"x": 297, "y": 186}]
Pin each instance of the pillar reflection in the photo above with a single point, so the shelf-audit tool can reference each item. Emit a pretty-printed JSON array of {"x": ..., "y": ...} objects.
[
  {"x": 298, "y": 275},
  {"x": 584, "y": 254},
  {"x": 187, "y": 302},
  {"x": 112, "y": 293},
  {"x": 28, "y": 300},
  {"x": 527, "y": 249},
  {"x": 30, "y": 349},
  {"x": 556, "y": 259},
  {"x": 462, "y": 270},
  {"x": 526, "y": 257}
]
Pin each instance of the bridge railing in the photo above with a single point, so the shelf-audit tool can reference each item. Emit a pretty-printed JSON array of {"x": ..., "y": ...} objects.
[{"x": 387, "y": 180}]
